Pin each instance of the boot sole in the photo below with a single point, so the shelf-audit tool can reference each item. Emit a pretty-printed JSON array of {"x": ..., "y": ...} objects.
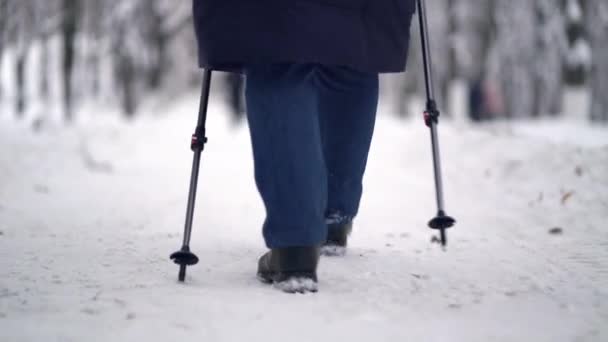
[
  {"x": 333, "y": 251},
  {"x": 300, "y": 282},
  {"x": 297, "y": 285}
]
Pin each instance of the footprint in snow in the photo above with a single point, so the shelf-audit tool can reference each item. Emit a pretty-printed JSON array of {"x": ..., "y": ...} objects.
[
  {"x": 556, "y": 231},
  {"x": 121, "y": 303},
  {"x": 90, "y": 311},
  {"x": 182, "y": 326},
  {"x": 41, "y": 189},
  {"x": 420, "y": 276},
  {"x": 56, "y": 279}
]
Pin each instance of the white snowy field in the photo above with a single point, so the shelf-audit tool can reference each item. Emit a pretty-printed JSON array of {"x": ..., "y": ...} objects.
[{"x": 89, "y": 215}]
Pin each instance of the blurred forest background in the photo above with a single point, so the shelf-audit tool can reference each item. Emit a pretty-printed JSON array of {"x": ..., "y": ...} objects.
[{"x": 514, "y": 58}]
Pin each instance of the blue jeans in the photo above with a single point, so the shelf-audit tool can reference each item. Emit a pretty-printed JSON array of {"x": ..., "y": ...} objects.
[{"x": 311, "y": 128}]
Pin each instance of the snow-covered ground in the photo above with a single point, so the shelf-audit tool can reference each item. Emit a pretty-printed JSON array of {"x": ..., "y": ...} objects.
[{"x": 89, "y": 215}]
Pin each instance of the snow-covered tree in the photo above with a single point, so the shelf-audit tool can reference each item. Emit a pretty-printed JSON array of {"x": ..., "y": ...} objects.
[
  {"x": 578, "y": 59},
  {"x": 22, "y": 24},
  {"x": 513, "y": 55},
  {"x": 597, "y": 28},
  {"x": 140, "y": 36},
  {"x": 411, "y": 84},
  {"x": 72, "y": 12},
  {"x": 3, "y": 33},
  {"x": 514, "y": 48},
  {"x": 472, "y": 25},
  {"x": 550, "y": 56},
  {"x": 47, "y": 16},
  {"x": 400, "y": 89},
  {"x": 161, "y": 21},
  {"x": 472, "y": 37},
  {"x": 439, "y": 25},
  {"x": 21, "y": 33}
]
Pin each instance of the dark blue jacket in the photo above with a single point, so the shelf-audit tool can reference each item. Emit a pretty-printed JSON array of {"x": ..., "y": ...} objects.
[{"x": 367, "y": 35}]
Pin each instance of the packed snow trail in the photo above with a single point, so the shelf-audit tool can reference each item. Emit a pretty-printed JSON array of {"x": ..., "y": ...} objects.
[{"x": 89, "y": 215}]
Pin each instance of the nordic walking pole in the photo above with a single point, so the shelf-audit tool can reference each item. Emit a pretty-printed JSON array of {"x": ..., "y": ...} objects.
[
  {"x": 440, "y": 222},
  {"x": 184, "y": 257}
]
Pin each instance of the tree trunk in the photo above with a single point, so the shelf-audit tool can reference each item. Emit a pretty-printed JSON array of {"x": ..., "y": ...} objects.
[
  {"x": 597, "y": 26},
  {"x": 44, "y": 68},
  {"x": 438, "y": 15},
  {"x": 550, "y": 57},
  {"x": 93, "y": 70},
  {"x": 599, "y": 83},
  {"x": 68, "y": 28},
  {"x": 156, "y": 41},
  {"x": 93, "y": 22},
  {"x": 127, "y": 81},
  {"x": 514, "y": 53},
  {"x": 20, "y": 101},
  {"x": 1, "y": 59},
  {"x": 3, "y": 20},
  {"x": 157, "y": 71},
  {"x": 472, "y": 30},
  {"x": 125, "y": 67}
]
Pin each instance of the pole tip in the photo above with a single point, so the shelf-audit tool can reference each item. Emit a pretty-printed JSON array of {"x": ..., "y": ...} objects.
[{"x": 182, "y": 274}]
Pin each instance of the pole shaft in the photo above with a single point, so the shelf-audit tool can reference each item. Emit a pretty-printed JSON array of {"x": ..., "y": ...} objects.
[
  {"x": 202, "y": 118},
  {"x": 426, "y": 53},
  {"x": 437, "y": 167},
  {"x": 192, "y": 197},
  {"x": 202, "y": 110},
  {"x": 182, "y": 273},
  {"x": 430, "y": 95}
]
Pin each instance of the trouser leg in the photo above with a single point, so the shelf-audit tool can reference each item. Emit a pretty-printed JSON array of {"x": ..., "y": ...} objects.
[
  {"x": 282, "y": 103},
  {"x": 348, "y": 101}
]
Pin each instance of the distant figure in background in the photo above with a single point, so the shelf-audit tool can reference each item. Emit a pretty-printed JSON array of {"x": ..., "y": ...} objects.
[
  {"x": 485, "y": 100},
  {"x": 476, "y": 101},
  {"x": 236, "y": 96},
  {"x": 311, "y": 72}
]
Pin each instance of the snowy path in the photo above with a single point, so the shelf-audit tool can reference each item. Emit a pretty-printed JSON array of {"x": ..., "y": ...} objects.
[{"x": 89, "y": 215}]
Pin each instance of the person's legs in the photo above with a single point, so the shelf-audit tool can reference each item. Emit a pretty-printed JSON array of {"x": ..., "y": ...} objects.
[
  {"x": 307, "y": 121},
  {"x": 348, "y": 101},
  {"x": 282, "y": 104}
]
